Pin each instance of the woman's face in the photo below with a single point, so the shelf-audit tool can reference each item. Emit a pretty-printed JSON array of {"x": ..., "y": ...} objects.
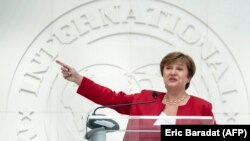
[{"x": 175, "y": 75}]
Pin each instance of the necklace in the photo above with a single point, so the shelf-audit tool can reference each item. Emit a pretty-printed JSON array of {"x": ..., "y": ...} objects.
[{"x": 174, "y": 102}]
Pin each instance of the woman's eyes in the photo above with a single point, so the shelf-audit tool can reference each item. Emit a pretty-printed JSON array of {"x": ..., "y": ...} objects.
[{"x": 178, "y": 68}]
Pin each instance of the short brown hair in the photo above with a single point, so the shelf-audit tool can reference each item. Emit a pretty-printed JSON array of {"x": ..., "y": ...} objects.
[{"x": 179, "y": 56}]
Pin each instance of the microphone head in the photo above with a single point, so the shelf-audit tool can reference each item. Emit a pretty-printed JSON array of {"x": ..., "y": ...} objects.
[
  {"x": 108, "y": 124},
  {"x": 154, "y": 94}
]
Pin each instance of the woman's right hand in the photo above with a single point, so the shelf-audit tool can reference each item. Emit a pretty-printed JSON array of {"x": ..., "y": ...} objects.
[{"x": 69, "y": 73}]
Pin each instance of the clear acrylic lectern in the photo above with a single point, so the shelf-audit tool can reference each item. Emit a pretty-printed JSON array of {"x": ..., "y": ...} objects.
[{"x": 136, "y": 128}]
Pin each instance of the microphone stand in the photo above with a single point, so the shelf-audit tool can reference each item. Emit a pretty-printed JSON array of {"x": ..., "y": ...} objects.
[{"x": 98, "y": 132}]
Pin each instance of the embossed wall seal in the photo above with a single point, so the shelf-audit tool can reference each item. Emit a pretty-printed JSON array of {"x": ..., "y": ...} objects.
[{"x": 112, "y": 41}]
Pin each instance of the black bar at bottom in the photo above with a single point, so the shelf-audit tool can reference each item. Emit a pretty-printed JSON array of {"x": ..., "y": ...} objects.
[{"x": 216, "y": 132}]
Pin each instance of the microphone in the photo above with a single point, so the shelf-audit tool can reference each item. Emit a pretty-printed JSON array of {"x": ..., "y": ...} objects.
[{"x": 110, "y": 124}]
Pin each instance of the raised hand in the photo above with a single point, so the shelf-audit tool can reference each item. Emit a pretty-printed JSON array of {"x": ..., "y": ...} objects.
[{"x": 69, "y": 73}]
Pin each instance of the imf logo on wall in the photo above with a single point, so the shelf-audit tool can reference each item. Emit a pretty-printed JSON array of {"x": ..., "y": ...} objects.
[{"x": 118, "y": 44}]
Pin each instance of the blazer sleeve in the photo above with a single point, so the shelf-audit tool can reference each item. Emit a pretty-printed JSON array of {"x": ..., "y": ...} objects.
[{"x": 105, "y": 96}]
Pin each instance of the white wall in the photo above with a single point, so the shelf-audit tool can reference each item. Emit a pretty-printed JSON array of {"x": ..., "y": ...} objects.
[{"x": 36, "y": 103}]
